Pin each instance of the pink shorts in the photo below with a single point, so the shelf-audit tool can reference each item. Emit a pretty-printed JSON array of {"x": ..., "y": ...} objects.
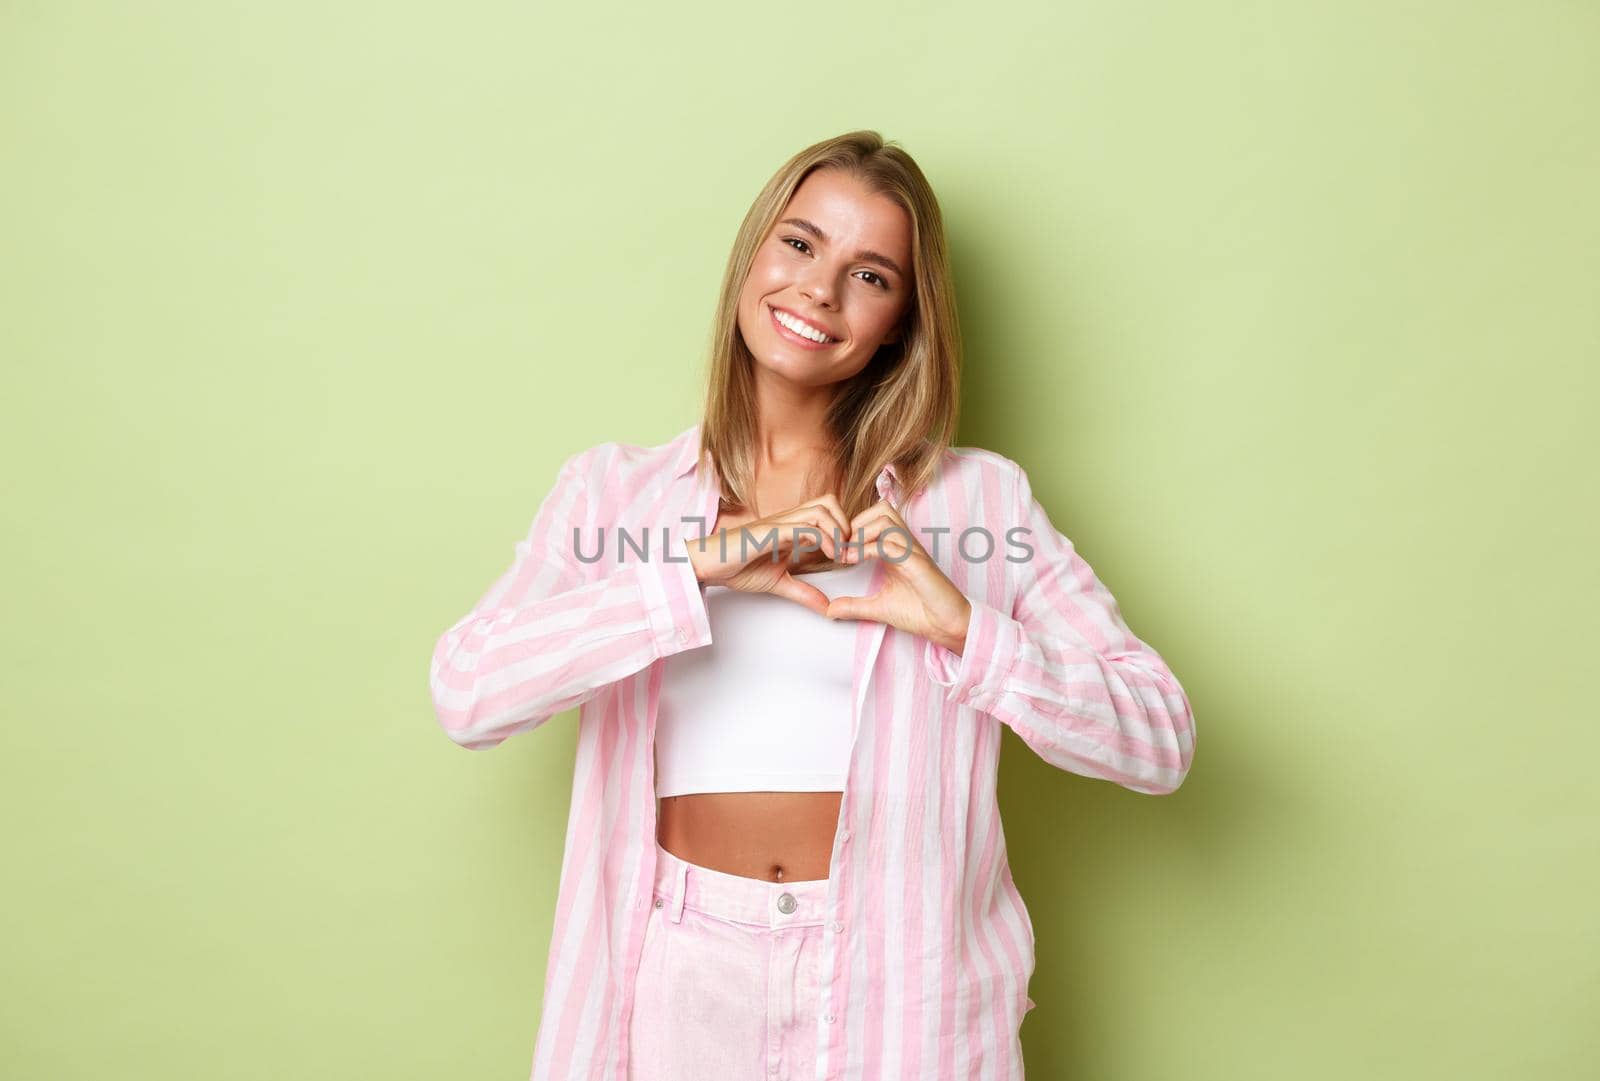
[{"x": 730, "y": 977}]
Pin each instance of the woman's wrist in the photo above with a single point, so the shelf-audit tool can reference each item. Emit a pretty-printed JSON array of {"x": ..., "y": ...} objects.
[
  {"x": 954, "y": 637},
  {"x": 696, "y": 552}
]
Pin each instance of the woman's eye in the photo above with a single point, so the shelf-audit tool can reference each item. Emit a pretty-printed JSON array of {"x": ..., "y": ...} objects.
[{"x": 801, "y": 246}]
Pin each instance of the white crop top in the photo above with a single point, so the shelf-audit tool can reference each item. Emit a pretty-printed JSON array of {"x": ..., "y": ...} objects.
[{"x": 766, "y": 706}]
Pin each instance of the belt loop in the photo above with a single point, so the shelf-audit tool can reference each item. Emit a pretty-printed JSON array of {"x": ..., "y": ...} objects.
[{"x": 680, "y": 892}]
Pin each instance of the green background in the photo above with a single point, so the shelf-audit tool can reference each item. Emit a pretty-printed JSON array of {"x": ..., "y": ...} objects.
[{"x": 1289, "y": 310}]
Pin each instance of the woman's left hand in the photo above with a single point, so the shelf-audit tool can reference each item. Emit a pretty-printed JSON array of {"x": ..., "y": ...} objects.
[{"x": 916, "y": 595}]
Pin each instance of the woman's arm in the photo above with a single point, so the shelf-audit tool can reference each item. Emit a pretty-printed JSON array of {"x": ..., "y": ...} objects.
[
  {"x": 552, "y": 631},
  {"x": 1065, "y": 672}
]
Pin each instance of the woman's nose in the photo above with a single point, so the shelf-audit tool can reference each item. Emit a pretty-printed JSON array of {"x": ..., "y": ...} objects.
[{"x": 819, "y": 287}]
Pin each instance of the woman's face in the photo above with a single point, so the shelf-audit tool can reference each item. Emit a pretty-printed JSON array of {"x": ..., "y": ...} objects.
[{"x": 837, "y": 263}]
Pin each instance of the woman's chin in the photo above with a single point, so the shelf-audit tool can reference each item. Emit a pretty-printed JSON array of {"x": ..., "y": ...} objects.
[{"x": 800, "y": 370}]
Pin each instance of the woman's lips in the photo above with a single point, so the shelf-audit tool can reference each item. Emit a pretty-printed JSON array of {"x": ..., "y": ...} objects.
[{"x": 789, "y": 335}]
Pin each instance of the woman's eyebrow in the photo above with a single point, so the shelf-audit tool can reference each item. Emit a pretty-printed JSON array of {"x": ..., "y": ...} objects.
[{"x": 867, "y": 256}]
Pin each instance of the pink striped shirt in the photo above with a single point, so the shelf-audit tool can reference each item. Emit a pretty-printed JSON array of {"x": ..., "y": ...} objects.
[{"x": 926, "y": 971}]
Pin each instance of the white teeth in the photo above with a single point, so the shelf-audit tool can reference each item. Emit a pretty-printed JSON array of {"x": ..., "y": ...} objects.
[{"x": 800, "y": 328}]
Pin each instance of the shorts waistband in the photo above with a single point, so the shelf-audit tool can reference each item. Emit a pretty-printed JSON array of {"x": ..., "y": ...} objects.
[{"x": 680, "y": 884}]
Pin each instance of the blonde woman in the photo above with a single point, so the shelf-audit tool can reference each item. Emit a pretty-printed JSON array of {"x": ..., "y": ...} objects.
[{"x": 794, "y": 632}]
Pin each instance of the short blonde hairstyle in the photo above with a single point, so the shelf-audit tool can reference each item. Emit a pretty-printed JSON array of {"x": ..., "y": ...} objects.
[{"x": 900, "y": 409}]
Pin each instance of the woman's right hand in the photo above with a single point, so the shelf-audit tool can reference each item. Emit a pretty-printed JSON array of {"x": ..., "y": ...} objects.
[{"x": 794, "y": 537}]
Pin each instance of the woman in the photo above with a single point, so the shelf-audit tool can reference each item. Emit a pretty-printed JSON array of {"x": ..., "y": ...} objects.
[{"x": 784, "y": 856}]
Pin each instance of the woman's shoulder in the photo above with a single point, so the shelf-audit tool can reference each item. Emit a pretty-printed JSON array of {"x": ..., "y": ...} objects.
[
  {"x": 975, "y": 469},
  {"x": 979, "y": 458},
  {"x": 612, "y": 483},
  {"x": 629, "y": 466}
]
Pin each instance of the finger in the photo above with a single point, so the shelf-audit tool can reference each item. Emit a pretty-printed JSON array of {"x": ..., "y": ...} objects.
[
  {"x": 876, "y": 522},
  {"x": 802, "y": 530},
  {"x": 882, "y": 506},
  {"x": 814, "y": 531},
  {"x": 831, "y": 500},
  {"x": 776, "y": 539},
  {"x": 807, "y": 595},
  {"x": 832, "y": 522},
  {"x": 889, "y": 549},
  {"x": 864, "y": 531},
  {"x": 882, "y": 539},
  {"x": 825, "y": 512},
  {"x": 836, "y": 511}
]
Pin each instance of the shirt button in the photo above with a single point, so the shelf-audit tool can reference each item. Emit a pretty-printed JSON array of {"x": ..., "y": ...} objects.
[
  {"x": 658, "y": 902},
  {"x": 845, "y": 836},
  {"x": 837, "y": 927},
  {"x": 683, "y": 635},
  {"x": 786, "y": 903},
  {"x": 828, "y": 1018}
]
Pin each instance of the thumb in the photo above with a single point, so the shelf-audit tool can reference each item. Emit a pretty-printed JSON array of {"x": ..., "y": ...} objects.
[
  {"x": 801, "y": 593},
  {"x": 849, "y": 608}
]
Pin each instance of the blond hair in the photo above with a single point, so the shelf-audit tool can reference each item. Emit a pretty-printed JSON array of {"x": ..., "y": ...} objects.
[{"x": 901, "y": 408}]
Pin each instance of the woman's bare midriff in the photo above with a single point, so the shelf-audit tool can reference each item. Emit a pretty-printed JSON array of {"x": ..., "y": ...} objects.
[{"x": 776, "y": 836}]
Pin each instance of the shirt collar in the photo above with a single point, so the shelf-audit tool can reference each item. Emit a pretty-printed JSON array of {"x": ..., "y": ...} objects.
[{"x": 689, "y": 454}]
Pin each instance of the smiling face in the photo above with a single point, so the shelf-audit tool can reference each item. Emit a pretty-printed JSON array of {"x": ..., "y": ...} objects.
[{"x": 829, "y": 282}]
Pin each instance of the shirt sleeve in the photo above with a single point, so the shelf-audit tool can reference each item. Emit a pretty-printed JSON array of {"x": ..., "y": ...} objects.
[
  {"x": 1064, "y": 671},
  {"x": 554, "y": 629}
]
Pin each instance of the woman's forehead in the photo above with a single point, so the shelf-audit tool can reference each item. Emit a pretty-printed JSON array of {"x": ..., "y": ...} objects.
[{"x": 845, "y": 211}]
